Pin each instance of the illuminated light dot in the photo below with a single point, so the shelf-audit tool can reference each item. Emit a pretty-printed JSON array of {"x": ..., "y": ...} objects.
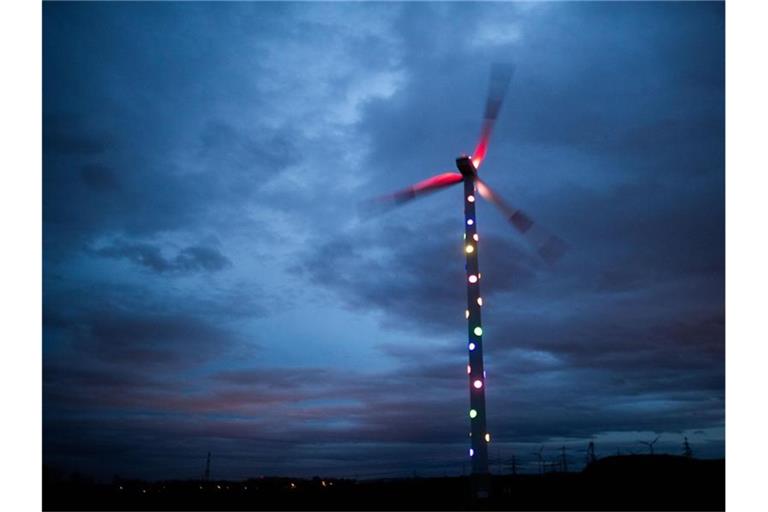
[
  {"x": 471, "y": 198},
  {"x": 469, "y": 369},
  {"x": 477, "y": 238},
  {"x": 466, "y": 313},
  {"x": 478, "y": 384},
  {"x": 470, "y": 222},
  {"x": 469, "y": 249},
  {"x": 479, "y": 275},
  {"x": 472, "y": 413},
  {"x": 473, "y": 279},
  {"x": 479, "y": 301},
  {"x": 471, "y": 346},
  {"x": 471, "y": 452},
  {"x": 465, "y": 236},
  {"x": 487, "y": 438},
  {"x": 478, "y": 331}
]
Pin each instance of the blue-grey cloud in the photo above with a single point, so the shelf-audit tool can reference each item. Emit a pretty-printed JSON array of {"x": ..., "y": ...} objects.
[
  {"x": 195, "y": 258},
  {"x": 210, "y": 286}
]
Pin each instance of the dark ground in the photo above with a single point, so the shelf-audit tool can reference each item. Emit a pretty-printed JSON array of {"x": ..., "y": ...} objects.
[{"x": 638, "y": 482}]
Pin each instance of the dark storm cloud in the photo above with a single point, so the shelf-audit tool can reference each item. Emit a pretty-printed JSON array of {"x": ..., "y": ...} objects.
[
  {"x": 141, "y": 337},
  {"x": 61, "y": 135},
  {"x": 407, "y": 283},
  {"x": 196, "y": 258},
  {"x": 205, "y": 284},
  {"x": 99, "y": 177},
  {"x": 225, "y": 147}
]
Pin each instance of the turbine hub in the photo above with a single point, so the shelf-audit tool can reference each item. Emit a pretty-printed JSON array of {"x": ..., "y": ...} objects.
[{"x": 466, "y": 167}]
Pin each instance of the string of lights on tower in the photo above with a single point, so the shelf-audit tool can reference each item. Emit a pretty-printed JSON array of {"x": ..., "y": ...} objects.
[{"x": 479, "y": 435}]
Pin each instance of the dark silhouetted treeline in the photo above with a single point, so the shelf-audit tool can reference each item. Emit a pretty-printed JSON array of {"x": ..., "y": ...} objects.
[{"x": 636, "y": 482}]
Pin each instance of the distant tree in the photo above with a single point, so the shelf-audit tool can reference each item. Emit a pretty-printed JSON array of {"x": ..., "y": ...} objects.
[{"x": 687, "y": 452}]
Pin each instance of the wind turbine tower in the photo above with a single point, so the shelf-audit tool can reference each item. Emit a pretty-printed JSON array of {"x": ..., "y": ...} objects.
[{"x": 548, "y": 246}]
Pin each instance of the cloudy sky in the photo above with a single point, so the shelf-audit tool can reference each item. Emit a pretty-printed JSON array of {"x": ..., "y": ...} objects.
[{"x": 212, "y": 284}]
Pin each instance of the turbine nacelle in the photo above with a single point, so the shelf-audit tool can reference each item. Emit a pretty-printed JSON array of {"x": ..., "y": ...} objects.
[{"x": 466, "y": 166}]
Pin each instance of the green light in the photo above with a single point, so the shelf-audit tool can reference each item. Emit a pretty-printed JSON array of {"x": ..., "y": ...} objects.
[
  {"x": 478, "y": 331},
  {"x": 472, "y": 413}
]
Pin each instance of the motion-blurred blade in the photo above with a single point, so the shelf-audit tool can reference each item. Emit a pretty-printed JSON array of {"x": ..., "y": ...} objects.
[
  {"x": 420, "y": 189},
  {"x": 501, "y": 74},
  {"x": 548, "y": 246}
]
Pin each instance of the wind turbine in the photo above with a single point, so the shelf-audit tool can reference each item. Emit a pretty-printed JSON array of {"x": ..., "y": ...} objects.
[
  {"x": 548, "y": 246},
  {"x": 650, "y": 444}
]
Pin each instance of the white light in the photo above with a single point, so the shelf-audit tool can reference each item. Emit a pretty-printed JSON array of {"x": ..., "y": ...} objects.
[
  {"x": 469, "y": 369},
  {"x": 473, "y": 279},
  {"x": 478, "y": 331},
  {"x": 478, "y": 384},
  {"x": 471, "y": 198},
  {"x": 471, "y": 346},
  {"x": 469, "y": 249},
  {"x": 477, "y": 238},
  {"x": 470, "y": 222},
  {"x": 472, "y": 413},
  {"x": 471, "y": 452},
  {"x": 466, "y": 313},
  {"x": 479, "y": 301},
  {"x": 487, "y": 438}
]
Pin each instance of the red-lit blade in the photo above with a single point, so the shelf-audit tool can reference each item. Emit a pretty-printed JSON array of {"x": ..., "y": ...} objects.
[
  {"x": 501, "y": 74},
  {"x": 421, "y": 188},
  {"x": 548, "y": 246}
]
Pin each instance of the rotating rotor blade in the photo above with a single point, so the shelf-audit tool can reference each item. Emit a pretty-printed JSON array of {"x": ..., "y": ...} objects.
[
  {"x": 501, "y": 75},
  {"x": 548, "y": 246},
  {"x": 420, "y": 189}
]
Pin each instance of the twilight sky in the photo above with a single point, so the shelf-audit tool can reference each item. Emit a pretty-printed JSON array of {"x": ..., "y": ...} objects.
[{"x": 210, "y": 283}]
